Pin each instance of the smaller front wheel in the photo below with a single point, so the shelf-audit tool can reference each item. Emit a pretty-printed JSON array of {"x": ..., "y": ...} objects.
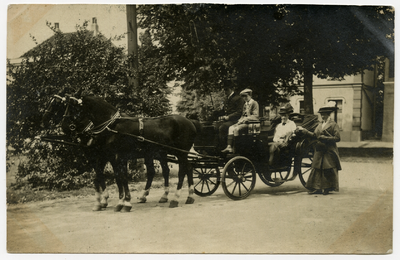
[
  {"x": 238, "y": 178},
  {"x": 206, "y": 181}
]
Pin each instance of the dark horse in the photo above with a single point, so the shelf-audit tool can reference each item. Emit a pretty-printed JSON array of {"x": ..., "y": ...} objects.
[{"x": 108, "y": 136}]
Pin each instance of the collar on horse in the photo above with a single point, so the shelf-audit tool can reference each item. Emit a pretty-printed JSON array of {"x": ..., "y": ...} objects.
[{"x": 94, "y": 130}]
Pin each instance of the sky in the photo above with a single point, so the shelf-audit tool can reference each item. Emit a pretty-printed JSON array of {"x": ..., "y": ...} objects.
[{"x": 25, "y": 21}]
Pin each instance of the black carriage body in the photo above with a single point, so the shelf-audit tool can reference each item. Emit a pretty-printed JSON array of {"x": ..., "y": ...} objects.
[{"x": 251, "y": 157}]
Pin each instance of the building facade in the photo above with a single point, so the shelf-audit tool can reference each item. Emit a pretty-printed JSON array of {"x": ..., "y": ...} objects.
[{"x": 356, "y": 99}]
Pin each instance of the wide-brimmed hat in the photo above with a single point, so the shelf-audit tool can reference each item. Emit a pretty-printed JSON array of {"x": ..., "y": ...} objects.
[
  {"x": 328, "y": 108},
  {"x": 286, "y": 109},
  {"x": 246, "y": 91}
]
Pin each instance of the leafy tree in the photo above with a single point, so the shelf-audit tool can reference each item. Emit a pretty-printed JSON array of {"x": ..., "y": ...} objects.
[
  {"x": 67, "y": 63},
  {"x": 335, "y": 41},
  {"x": 272, "y": 49}
]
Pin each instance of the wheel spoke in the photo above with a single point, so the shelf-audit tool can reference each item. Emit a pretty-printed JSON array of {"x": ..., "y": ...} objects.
[
  {"x": 210, "y": 181},
  {"x": 306, "y": 171},
  {"x": 231, "y": 183},
  {"x": 202, "y": 186},
  {"x": 208, "y": 186},
  {"x": 244, "y": 186},
  {"x": 234, "y": 188},
  {"x": 200, "y": 181}
]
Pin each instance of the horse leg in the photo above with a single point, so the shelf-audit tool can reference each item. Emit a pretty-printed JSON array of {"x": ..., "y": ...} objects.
[
  {"x": 190, "y": 199},
  {"x": 119, "y": 181},
  {"x": 181, "y": 176},
  {"x": 120, "y": 204},
  {"x": 165, "y": 172},
  {"x": 99, "y": 183},
  {"x": 123, "y": 170},
  {"x": 148, "y": 161},
  {"x": 104, "y": 198}
]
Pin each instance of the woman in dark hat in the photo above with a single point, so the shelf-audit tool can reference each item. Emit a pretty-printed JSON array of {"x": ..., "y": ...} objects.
[
  {"x": 324, "y": 175},
  {"x": 283, "y": 131}
]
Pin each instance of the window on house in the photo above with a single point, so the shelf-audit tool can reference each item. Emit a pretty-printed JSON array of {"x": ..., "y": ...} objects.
[
  {"x": 301, "y": 109},
  {"x": 338, "y": 115}
]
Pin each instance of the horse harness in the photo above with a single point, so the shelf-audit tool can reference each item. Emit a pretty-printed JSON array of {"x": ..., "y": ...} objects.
[{"x": 92, "y": 130}]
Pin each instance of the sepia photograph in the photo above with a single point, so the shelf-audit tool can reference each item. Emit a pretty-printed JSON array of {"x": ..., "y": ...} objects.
[{"x": 216, "y": 129}]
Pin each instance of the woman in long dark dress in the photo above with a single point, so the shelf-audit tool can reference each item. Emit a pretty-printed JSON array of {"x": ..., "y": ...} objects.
[{"x": 324, "y": 175}]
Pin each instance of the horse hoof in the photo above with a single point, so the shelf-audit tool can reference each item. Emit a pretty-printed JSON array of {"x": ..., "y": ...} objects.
[
  {"x": 126, "y": 209},
  {"x": 97, "y": 208},
  {"x": 173, "y": 204},
  {"x": 142, "y": 200},
  {"x": 103, "y": 205},
  {"x": 163, "y": 200},
  {"x": 189, "y": 200},
  {"x": 118, "y": 208}
]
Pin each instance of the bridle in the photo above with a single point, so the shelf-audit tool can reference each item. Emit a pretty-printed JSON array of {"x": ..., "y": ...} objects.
[
  {"x": 90, "y": 128},
  {"x": 67, "y": 103}
]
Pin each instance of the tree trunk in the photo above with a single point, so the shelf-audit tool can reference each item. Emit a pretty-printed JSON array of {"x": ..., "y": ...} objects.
[{"x": 308, "y": 87}]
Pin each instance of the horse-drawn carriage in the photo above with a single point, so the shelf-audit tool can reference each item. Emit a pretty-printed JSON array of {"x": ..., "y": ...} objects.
[
  {"x": 237, "y": 172},
  {"x": 106, "y": 135}
]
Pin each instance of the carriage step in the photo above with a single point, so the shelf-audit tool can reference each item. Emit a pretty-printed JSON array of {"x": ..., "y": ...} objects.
[{"x": 278, "y": 180}]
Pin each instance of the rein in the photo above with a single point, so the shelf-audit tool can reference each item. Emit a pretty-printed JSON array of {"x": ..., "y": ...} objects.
[
  {"x": 59, "y": 139},
  {"x": 142, "y": 139}
]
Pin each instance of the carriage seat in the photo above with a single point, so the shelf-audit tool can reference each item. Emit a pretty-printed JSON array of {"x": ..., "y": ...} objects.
[{"x": 253, "y": 127}]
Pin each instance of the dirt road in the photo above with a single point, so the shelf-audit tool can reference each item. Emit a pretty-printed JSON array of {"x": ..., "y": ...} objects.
[{"x": 285, "y": 219}]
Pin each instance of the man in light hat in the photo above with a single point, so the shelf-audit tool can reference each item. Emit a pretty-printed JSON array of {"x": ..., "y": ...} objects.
[
  {"x": 324, "y": 176},
  {"x": 283, "y": 132},
  {"x": 249, "y": 114}
]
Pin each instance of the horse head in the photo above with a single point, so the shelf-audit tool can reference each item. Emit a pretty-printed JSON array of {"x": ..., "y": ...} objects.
[
  {"x": 84, "y": 114},
  {"x": 54, "y": 111}
]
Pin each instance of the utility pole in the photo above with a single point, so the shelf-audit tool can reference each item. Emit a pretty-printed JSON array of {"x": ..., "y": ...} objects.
[{"x": 132, "y": 44}]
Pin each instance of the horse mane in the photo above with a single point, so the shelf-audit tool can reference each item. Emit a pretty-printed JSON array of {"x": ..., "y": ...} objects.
[{"x": 98, "y": 107}]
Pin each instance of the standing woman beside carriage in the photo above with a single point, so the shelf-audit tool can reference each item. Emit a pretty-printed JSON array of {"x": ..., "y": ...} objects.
[{"x": 324, "y": 176}]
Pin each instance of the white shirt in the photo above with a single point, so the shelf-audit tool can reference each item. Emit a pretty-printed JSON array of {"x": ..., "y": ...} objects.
[
  {"x": 281, "y": 131},
  {"x": 324, "y": 122}
]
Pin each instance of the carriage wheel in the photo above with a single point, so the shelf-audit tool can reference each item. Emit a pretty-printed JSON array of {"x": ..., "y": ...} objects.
[
  {"x": 238, "y": 178},
  {"x": 304, "y": 160},
  {"x": 206, "y": 181},
  {"x": 278, "y": 176}
]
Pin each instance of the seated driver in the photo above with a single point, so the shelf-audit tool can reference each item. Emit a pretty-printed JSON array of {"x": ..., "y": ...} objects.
[
  {"x": 249, "y": 114},
  {"x": 283, "y": 131}
]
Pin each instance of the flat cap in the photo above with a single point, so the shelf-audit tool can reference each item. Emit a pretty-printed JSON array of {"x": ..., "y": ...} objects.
[{"x": 246, "y": 91}]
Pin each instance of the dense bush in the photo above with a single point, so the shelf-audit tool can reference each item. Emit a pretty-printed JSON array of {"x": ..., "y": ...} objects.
[{"x": 67, "y": 63}]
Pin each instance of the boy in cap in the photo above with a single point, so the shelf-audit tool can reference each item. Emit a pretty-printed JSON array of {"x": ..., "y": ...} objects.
[
  {"x": 283, "y": 131},
  {"x": 249, "y": 114}
]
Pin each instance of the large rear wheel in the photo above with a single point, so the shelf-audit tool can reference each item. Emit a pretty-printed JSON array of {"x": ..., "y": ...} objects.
[
  {"x": 238, "y": 178},
  {"x": 303, "y": 160}
]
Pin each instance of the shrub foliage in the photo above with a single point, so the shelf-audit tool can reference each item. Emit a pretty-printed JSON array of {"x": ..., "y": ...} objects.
[{"x": 64, "y": 64}]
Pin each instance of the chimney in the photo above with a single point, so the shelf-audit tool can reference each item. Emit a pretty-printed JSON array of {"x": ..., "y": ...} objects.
[
  {"x": 95, "y": 27},
  {"x": 57, "y": 27}
]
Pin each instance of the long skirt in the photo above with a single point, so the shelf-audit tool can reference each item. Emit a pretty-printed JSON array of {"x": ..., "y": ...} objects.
[{"x": 325, "y": 179}]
